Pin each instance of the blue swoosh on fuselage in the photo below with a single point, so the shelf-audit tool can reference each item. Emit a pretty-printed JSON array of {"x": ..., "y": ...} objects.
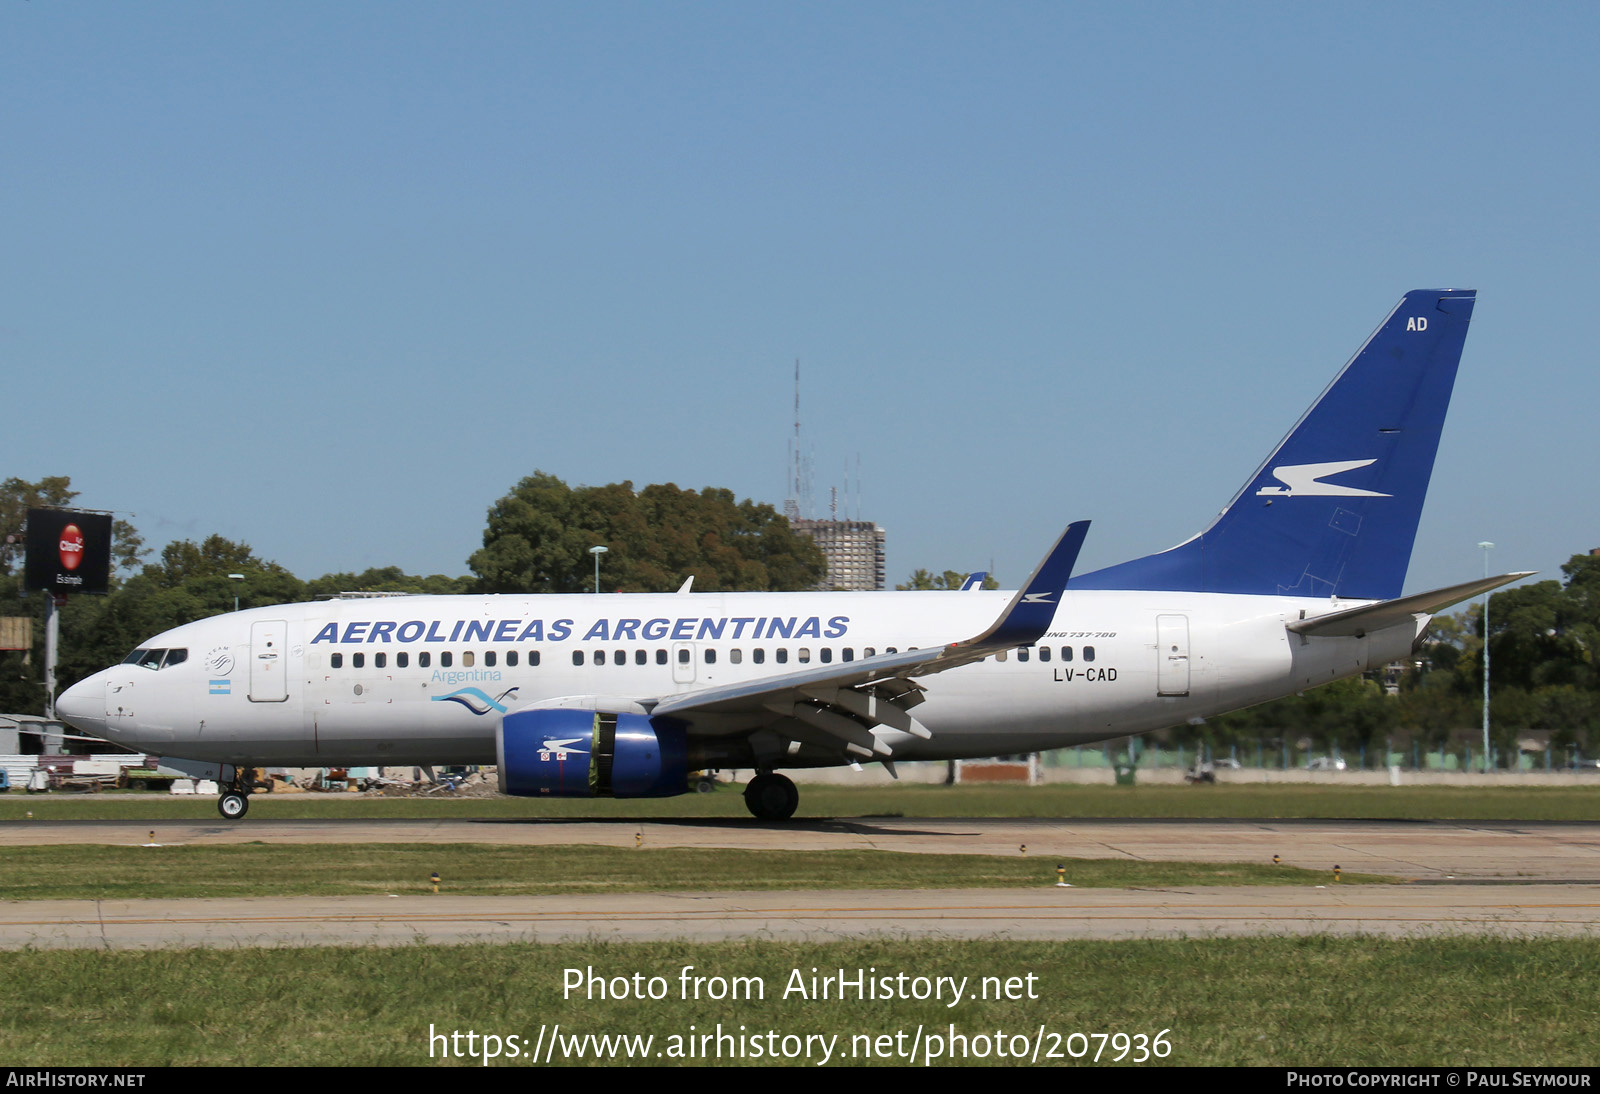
[{"x": 465, "y": 696}]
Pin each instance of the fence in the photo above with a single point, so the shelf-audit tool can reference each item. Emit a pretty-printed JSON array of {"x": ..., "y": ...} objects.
[{"x": 1281, "y": 756}]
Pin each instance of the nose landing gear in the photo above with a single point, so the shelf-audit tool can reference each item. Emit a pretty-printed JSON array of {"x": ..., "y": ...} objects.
[{"x": 235, "y": 800}]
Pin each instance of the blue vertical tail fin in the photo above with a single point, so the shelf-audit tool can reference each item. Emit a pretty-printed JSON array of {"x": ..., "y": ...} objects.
[{"x": 1334, "y": 510}]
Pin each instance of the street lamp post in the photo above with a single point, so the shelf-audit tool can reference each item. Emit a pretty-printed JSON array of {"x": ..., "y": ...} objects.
[
  {"x": 1487, "y": 547},
  {"x": 597, "y": 552},
  {"x": 236, "y": 577}
]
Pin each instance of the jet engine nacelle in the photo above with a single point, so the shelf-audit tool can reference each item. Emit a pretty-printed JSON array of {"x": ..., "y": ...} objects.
[{"x": 567, "y": 753}]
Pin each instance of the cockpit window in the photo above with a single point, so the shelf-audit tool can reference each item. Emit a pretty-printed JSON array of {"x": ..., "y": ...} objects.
[{"x": 156, "y": 659}]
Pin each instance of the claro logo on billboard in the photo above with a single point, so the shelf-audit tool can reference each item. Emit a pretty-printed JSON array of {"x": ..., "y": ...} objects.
[
  {"x": 71, "y": 546},
  {"x": 68, "y": 552}
]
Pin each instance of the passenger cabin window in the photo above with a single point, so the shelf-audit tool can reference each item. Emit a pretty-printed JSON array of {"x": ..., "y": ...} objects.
[
  {"x": 620, "y": 657},
  {"x": 489, "y": 659},
  {"x": 869, "y": 652},
  {"x": 599, "y": 657},
  {"x": 424, "y": 659},
  {"x": 759, "y": 656},
  {"x": 577, "y": 657},
  {"x": 849, "y": 654},
  {"x": 661, "y": 657},
  {"x": 805, "y": 655},
  {"x": 683, "y": 656},
  {"x": 533, "y": 658},
  {"x": 402, "y": 659},
  {"x": 1088, "y": 653},
  {"x": 445, "y": 658},
  {"x": 1066, "y": 653},
  {"x": 336, "y": 660},
  {"x": 641, "y": 657},
  {"x": 467, "y": 659},
  {"x": 1022, "y": 653},
  {"x": 358, "y": 660},
  {"x": 826, "y": 653},
  {"x": 711, "y": 657},
  {"x": 735, "y": 656},
  {"x": 1044, "y": 653},
  {"x": 511, "y": 659},
  {"x": 782, "y": 656},
  {"x": 380, "y": 660}
]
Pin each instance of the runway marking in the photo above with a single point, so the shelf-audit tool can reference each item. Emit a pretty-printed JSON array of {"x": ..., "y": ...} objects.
[{"x": 988, "y": 911}]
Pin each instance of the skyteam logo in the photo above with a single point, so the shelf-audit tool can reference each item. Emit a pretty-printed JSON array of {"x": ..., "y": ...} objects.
[
  {"x": 1304, "y": 480},
  {"x": 476, "y": 700}
]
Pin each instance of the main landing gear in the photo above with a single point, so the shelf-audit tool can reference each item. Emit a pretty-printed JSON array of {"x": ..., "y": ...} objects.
[{"x": 771, "y": 797}]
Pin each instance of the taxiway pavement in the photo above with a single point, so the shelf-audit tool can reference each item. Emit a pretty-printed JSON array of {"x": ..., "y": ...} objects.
[{"x": 1497, "y": 878}]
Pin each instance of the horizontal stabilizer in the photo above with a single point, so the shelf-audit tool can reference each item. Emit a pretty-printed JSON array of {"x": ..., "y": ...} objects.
[{"x": 1356, "y": 622}]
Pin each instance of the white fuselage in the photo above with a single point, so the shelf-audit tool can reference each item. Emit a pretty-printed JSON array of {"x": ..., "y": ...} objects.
[{"x": 424, "y": 680}]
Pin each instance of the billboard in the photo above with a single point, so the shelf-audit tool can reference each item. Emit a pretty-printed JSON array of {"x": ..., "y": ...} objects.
[{"x": 68, "y": 551}]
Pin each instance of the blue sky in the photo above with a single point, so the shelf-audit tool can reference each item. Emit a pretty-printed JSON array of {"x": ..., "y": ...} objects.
[{"x": 330, "y": 278}]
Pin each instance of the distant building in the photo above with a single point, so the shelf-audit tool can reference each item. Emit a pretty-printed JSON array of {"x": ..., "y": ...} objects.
[{"x": 853, "y": 548}]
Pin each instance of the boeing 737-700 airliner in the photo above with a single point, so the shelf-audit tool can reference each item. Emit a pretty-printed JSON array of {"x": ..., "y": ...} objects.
[{"x": 1296, "y": 583}]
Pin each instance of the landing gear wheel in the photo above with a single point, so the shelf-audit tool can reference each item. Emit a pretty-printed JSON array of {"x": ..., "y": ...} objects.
[
  {"x": 771, "y": 797},
  {"x": 233, "y": 805}
]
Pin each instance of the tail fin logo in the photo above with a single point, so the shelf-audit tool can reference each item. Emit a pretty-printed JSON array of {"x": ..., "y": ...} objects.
[{"x": 1305, "y": 480}]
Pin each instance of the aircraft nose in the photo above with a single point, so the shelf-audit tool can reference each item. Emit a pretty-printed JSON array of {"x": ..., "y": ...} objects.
[{"x": 83, "y": 706}]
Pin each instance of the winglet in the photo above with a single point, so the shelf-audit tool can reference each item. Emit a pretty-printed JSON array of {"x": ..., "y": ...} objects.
[
  {"x": 1027, "y": 618},
  {"x": 1023, "y": 623}
]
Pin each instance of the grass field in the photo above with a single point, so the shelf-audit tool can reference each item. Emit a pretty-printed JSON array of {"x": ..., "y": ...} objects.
[
  {"x": 1318, "y": 1000},
  {"x": 211, "y": 870},
  {"x": 1279, "y": 1001},
  {"x": 1255, "y": 801}
]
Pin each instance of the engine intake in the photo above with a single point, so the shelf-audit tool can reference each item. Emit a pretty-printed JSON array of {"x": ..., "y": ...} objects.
[{"x": 565, "y": 753}]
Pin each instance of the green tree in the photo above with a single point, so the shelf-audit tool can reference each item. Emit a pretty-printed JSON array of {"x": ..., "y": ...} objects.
[
  {"x": 539, "y": 535},
  {"x": 923, "y": 580},
  {"x": 387, "y": 579}
]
